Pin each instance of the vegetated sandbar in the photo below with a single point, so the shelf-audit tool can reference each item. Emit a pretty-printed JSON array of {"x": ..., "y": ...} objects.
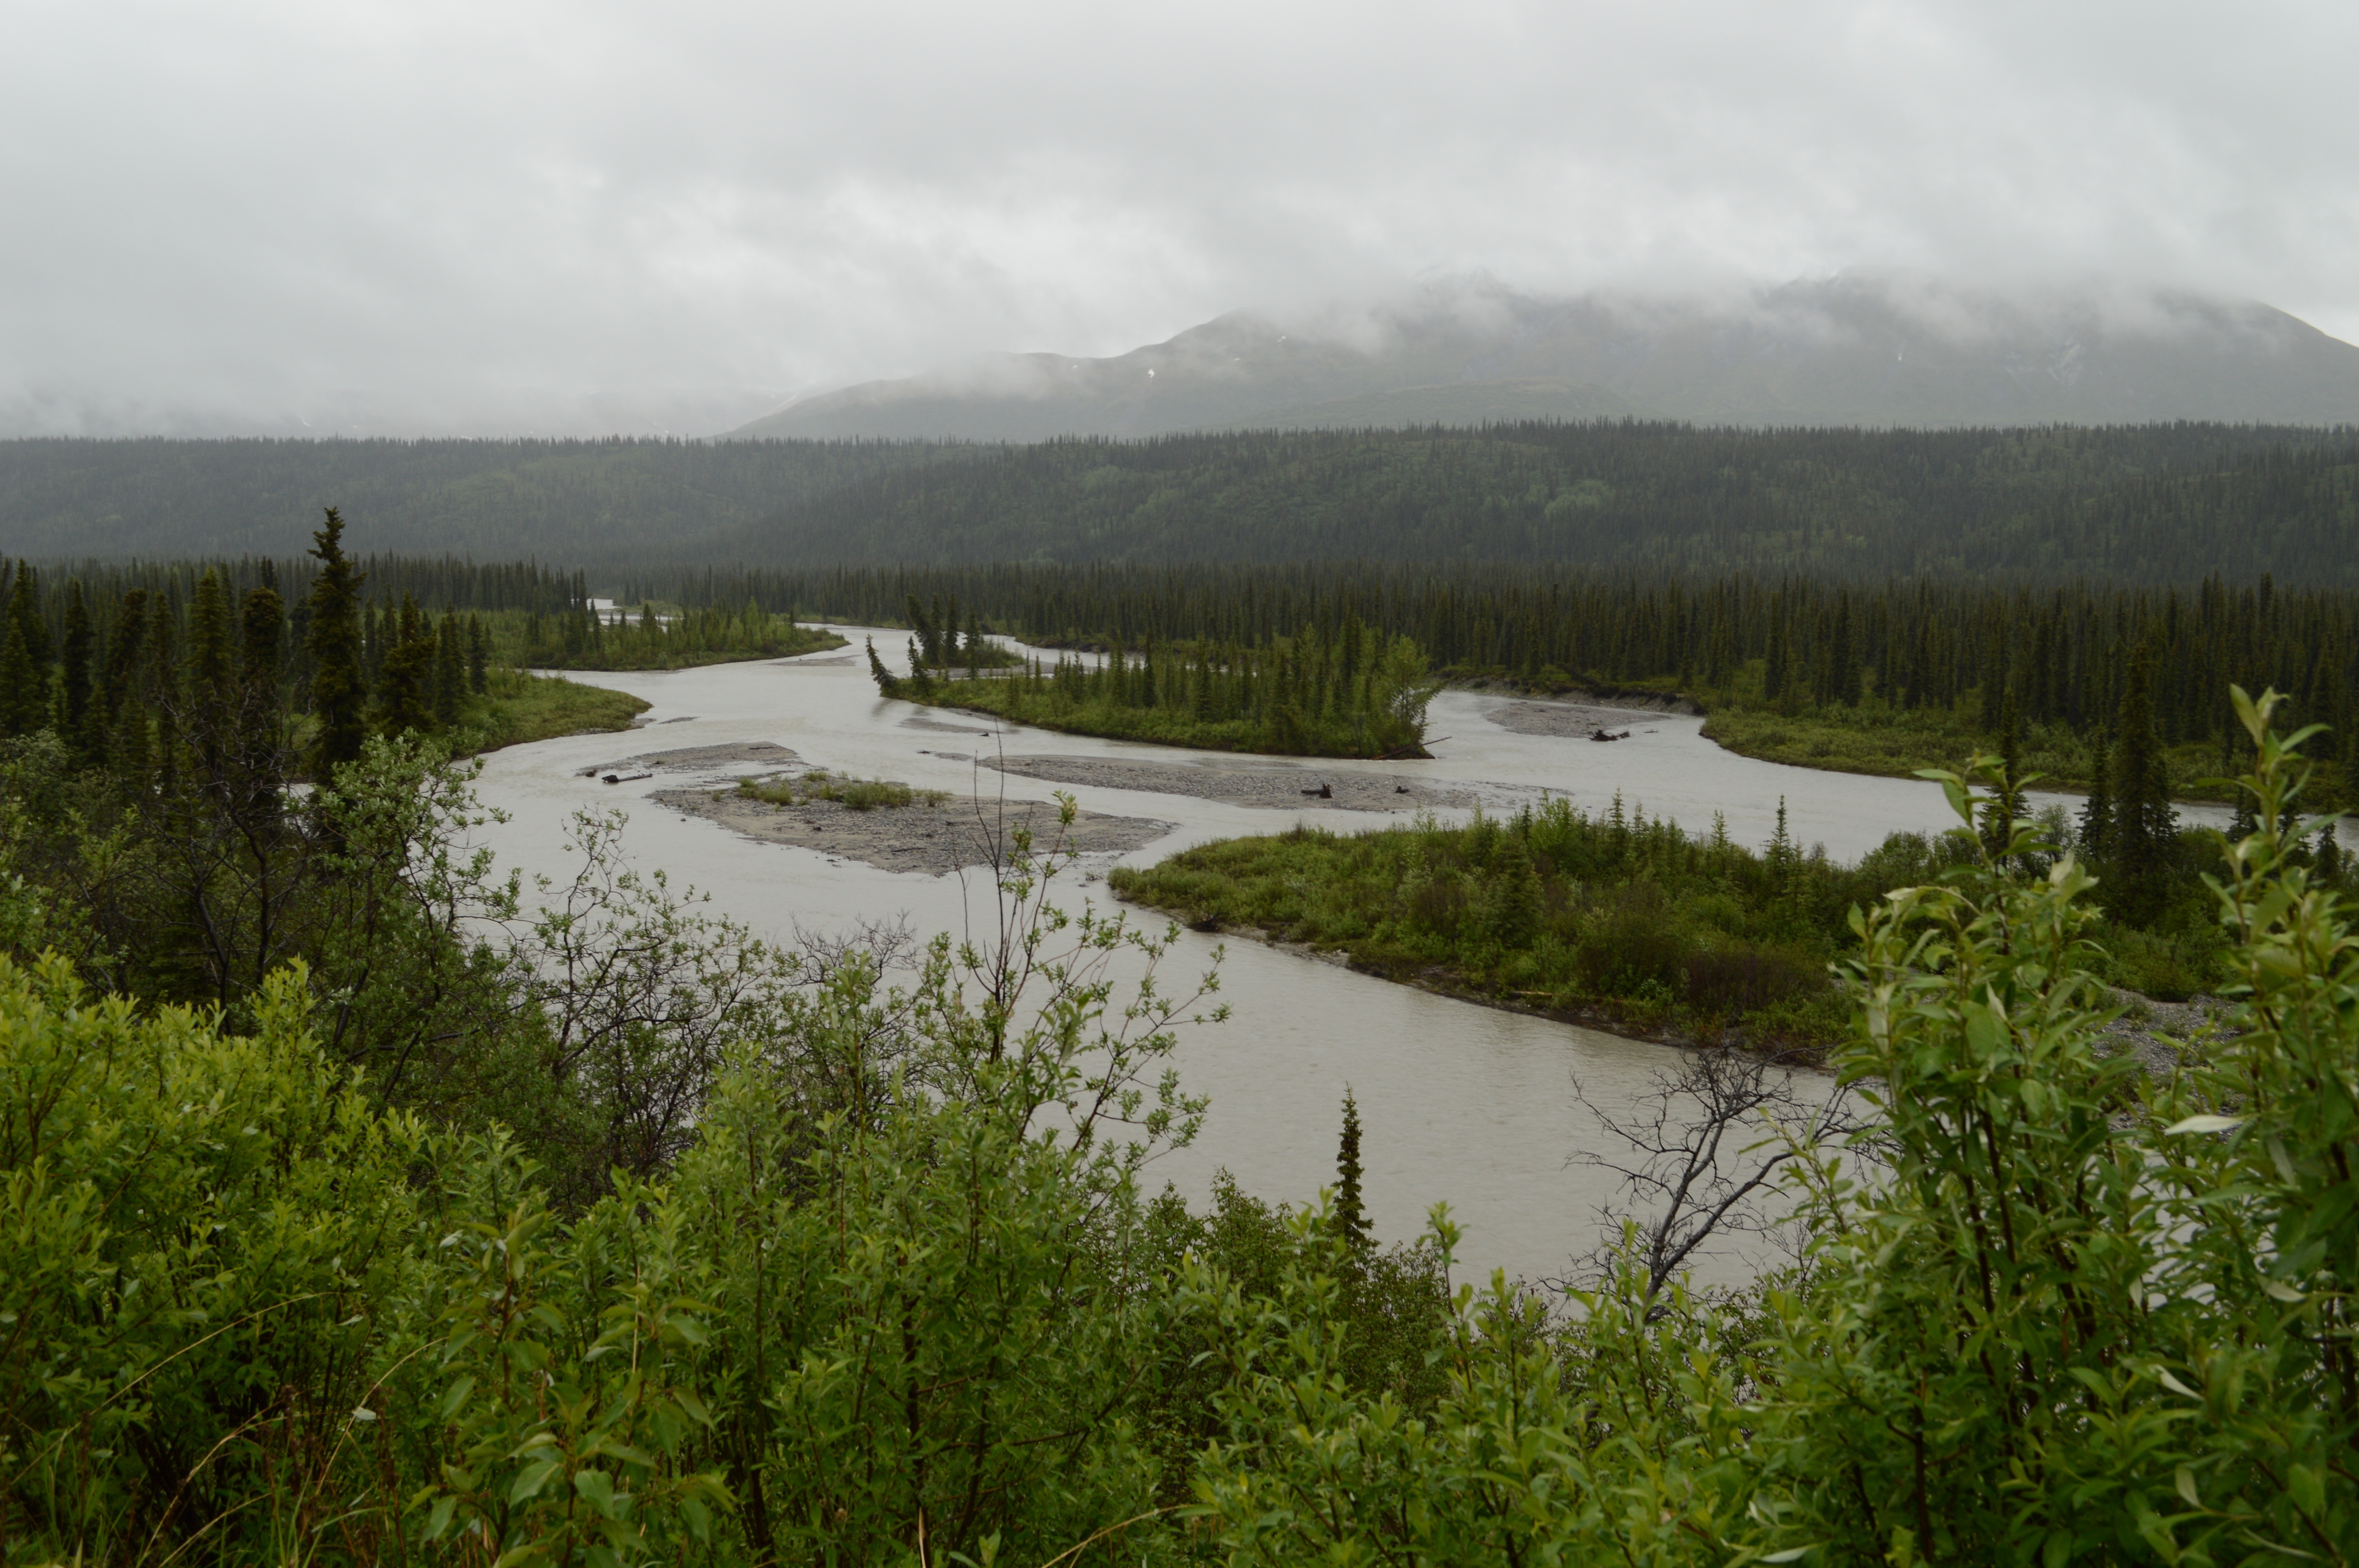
[
  {"x": 930, "y": 836},
  {"x": 1282, "y": 785},
  {"x": 1575, "y": 720}
]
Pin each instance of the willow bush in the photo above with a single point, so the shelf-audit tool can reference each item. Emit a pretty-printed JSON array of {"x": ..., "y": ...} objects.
[{"x": 899, "y": 1297}]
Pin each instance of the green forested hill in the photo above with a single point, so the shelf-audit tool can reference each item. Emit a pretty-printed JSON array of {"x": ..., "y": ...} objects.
[
  {"x": 2140, "y": 504},
  {"x": 575, "y": 500}
]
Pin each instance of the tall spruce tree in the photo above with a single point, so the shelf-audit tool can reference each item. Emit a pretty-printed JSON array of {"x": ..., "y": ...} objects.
[
  {"x": 80, "y": 643},
  {"x": 479, "y": 656},
  {"x": 2144, "y": 827},
  {"x": 404, "y": 688},
  {"x": 1351, "y": 1214},
  {"x": 449, "y": 670},
  {"x": 332, "y": 643},
  {"x": 24, "y": 693},
  {"x": 2097, "y": 811}
]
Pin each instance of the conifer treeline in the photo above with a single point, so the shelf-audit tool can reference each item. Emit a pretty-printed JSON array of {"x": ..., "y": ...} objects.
[
  {"x": 116, "y": 660},
  {"x": 1340, "y": 689},
  {"x": 2146, "y": 504},
  {"x": 2065, "y": 651}
]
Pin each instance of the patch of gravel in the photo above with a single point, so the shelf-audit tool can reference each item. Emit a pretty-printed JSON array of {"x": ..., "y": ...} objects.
[
  {"x": 934, "y": 839},
  {"x": 2156, "y": 1033},
  {"x": 1289, "y": 786},
  {"x": 1571, "y": 719},
  {"x": 700, "y": 759}
]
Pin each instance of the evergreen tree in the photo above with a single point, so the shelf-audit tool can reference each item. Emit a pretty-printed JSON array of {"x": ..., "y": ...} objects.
[
  {"x": 80, "y": 643},
  {"x": 166, "y": 691},
  {"x": 1351, "y": 1214},
  {"x": 2097, "y": 811},
  {"x": 332, "y": 643},
  {"x": 212, "y": 680},
  {"x": 449, "y": 670},
  {"x": 262, "y": 632},
  {"x": 404, "y": 694},
  {"x": 887, "y": 685},
  {"x": 1844, "y": 658},
  {"x": 24, "y": 693},
  {"x": 1998, "y": 823},
  {"x": 2144, "y": 827},
  {"x": 479, "y": 657},
  {"x": 24, "y": 611}
]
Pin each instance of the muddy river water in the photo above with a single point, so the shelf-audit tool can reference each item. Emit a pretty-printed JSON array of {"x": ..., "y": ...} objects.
[{"x": 1458, "y": 1102}]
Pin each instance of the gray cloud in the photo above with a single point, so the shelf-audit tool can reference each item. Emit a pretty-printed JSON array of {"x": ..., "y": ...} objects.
[{"x": 428, "y": 218}]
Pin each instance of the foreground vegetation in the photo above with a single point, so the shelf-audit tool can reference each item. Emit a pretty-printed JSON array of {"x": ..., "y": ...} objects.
[{"x": 867, "y": 1272}]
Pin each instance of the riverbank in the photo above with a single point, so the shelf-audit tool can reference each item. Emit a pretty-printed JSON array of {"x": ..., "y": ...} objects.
[
  {"x": 1895, "y": 743},
  {"x": 522, "y": 708}
]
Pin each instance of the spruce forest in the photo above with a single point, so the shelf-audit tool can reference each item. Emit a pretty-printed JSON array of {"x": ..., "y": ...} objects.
[{"x": 2147, "y": 505}]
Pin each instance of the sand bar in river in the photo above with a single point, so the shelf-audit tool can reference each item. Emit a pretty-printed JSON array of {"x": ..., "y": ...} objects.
[{"x": 1290, "y": 786}]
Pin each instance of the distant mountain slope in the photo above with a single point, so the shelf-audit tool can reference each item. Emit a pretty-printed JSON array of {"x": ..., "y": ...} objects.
[
  {"x": 1850, "y": 352},
  {"x": 2138, "y": 503}
]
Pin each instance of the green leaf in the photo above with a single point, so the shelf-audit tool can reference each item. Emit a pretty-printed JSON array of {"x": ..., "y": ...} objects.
[
  {"x": 456, "y": 1395},
  {"x": 597, "y": 1488},
  {"x": 531, "y": 1479},
  {"x": 439, "y": 1519},
  {"x": 2308, "y": 1490},
  {"x": 2203, "y": 1124}
]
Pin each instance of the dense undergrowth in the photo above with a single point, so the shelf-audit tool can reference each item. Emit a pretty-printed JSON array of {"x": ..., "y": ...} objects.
[
  {"x": 872, "y": 1275},
  {"x": 1634, "y": 922},
  {"x": 1553, "y": 908}
]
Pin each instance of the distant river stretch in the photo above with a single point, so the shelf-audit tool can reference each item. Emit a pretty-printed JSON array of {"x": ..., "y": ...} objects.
[{"x": 1458, "y": 1102}]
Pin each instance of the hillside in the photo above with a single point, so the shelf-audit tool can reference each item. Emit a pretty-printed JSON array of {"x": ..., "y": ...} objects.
[
  {"x": 2146, "y": 504},
  {"x": 1848, "y": 352}
]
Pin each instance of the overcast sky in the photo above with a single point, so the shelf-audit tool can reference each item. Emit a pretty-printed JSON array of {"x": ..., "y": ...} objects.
[{"x": 493, "y": 217}]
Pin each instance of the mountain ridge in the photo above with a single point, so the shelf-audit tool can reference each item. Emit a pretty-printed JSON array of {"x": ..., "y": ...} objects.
[{"x": 1853, "y": 351}]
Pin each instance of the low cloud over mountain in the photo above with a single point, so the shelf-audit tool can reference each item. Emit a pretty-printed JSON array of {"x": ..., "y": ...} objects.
[{"x": 1856, "y": 350}]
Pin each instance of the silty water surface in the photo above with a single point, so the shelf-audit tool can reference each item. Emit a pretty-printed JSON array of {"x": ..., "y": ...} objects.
[{"x": 1459, "y": 1102}]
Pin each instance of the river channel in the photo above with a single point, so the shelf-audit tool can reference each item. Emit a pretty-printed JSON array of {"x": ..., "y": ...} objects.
[{"x": 1459, "y": 1102}]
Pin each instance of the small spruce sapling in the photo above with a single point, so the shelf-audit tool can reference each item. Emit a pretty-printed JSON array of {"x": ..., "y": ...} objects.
[{"x": 1351, "y": 1214}]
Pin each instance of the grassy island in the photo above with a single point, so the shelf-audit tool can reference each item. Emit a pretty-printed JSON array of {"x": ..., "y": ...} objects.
[
  {"x": 1619, "y": 919},
  {"x": 650, "y": 637},
  {"x": 1352, "y": 693}
]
